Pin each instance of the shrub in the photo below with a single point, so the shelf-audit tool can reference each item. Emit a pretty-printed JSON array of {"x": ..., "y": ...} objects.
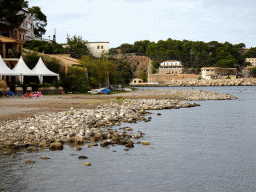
[
  {"x": 81, "y": 84},
  {"x": 3, "y": 84},
  {"x": 34, "y": 86}
]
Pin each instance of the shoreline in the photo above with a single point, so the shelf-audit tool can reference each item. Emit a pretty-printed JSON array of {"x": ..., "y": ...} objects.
[{"x": 90, "y": 122}]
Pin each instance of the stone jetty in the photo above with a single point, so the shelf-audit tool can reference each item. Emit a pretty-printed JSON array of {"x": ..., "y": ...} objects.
[
  {"x": 202, "y": 82},
  {"x": 91, "y": 126}
]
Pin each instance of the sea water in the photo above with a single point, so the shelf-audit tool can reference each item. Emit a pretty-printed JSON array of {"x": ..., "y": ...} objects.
[{"x": 206, "y": 148}]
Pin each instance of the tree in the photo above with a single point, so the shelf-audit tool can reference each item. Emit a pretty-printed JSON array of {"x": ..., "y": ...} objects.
[
  {"x": 225, "y": 63},
  {"x": 9, "y": 11},
  {"x": 77, "y": 47},
  {"x": 254, "y": 71},
  {"x": 40, "y": 20}
]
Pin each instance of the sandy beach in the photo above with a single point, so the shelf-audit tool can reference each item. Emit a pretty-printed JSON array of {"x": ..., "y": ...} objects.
[{"x": 19, "y": 108}]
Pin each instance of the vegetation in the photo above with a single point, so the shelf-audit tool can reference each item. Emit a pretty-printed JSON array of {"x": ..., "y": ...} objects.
[
  {"x": 9, "y": 10},
  {"x": 52, "y": 64},
  {"x": 46, "y": 47},
  {"x": 192, "y": 54},
  {"x": 40, "y": 20},
  {"x": 77, "y": 47}
]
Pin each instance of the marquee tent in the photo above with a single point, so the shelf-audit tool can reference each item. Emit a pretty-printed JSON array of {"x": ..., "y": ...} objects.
[
  {"x": 22, "y": 69},
  {"x": 4, "y": 70},
  {"x": 42, "y": 70}
]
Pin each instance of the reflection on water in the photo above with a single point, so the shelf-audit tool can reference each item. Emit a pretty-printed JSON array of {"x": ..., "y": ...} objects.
[{"x": 206, "y": 148}]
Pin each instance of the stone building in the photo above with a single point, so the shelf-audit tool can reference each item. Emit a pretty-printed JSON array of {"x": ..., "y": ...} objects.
[
  {"x": 247, "y": 72},
  {"x": 171, "y": 67},
  {"x": 251, "y": 60},
  {"x": 217, "y": 72}
]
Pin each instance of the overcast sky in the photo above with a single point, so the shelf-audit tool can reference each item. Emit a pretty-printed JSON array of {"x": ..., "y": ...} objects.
[{"x": 127, "y": 21}]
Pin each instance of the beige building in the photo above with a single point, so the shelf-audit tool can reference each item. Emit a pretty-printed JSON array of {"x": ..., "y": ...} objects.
[
  {"x": 247, "y": 71},
  {"x": 96, "y": 48},
  {"x": 217, "y": 72},
  {"x": 136, "y": 80},
  {"x": 251, "y": 60},
  {"x": 171, "y": 67}
]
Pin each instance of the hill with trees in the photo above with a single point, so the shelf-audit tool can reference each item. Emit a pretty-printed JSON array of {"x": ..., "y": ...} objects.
[{"x": 194, "y": 54}]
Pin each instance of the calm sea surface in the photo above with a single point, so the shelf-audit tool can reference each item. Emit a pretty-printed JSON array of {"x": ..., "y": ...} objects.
[{"x": 207, "y": 148}]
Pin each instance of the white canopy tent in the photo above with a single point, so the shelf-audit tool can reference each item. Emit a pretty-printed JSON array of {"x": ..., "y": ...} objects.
[
  {"x": 22, "y": 69},
  {"x": 4, "y": 70},
  {"x": 42, "y": 70}
]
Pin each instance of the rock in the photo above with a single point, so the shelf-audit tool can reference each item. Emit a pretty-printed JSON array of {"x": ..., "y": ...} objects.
[
  {"x": 129, "y": 144},
  {"x": 129, "y": 129},
  {"x": 32, "y": 149},
  {"x": 30, "y": 161},
  {"x": 89, "y": 146},
  {"x": 145, "y": 143},
  {"x": 104, "y": 143},
  {"x": 43, "y": 145},
  {"x": 44, "y": 157},
  {"x": 82, "y": 157},
  {"x": 158, "y": 114},
  {"x": 78, "y": 149},
  {"x": 87, "y": 164},
  {"x": 30, "y": 131},
  {"x": 56, "y": 146},
  {"x": 126, "y": 149}
]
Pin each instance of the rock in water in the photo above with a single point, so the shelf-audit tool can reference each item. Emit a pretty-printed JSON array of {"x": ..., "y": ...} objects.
[
  {"x": 44, "y": 157},
  {"x": 82, "y": 157},
  {"x": 56, "y": 146},
  {"x": 30, "y": 161},
  {"x": 145, "y": 143}
]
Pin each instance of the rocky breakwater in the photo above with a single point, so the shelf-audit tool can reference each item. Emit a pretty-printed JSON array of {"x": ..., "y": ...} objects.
[
  {"x": 93, "y": 126},
  {"x": 212, "y": 82},
  {"x": 81, "y": 126}
]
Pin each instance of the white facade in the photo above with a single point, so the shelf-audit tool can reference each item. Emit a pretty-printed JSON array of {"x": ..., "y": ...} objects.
[
  {"x": 251, "y": 60},
  {"x": 171, "y": 62},
  {"x": 96, "y": 48}
]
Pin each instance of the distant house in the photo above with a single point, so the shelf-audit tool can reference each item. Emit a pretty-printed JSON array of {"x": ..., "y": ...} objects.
[
  {"x": 137, "y": 80},
  {"x": 217, "y": 72},
  {"x": 96, "y": 48},
  {"x": 247, "y": 71},
  {"x": 243, "y": 50},
  {"x": 251, "y": 60},
  {"x": 171, "y": 67},
  {"x": 23, "y": 32}
]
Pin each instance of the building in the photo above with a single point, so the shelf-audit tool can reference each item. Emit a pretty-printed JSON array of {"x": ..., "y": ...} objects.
[
  {"x": 171, "y": 67},
  {"x": 96, "y": 48},
  {"x": 251, "y": 60},
  {"x": 136, "y": 80},
  {"x": 247, "y": 71},
  {"x": 23, "y": 32},
  {"x": 243, "y": 50},
  {"x": 217, "y": 72}
]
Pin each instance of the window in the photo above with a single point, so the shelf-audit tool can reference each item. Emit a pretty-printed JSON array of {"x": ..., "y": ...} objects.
[
  {"x": 101, "y": 46},
  {"x": 98, "y": 47}
]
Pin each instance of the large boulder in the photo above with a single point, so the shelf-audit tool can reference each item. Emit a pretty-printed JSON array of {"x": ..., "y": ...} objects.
[{"x": 56, "y": 146}]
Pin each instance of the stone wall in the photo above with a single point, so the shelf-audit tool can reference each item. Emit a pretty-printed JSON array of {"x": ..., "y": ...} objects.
[
  {"x": 166, "y": 79},
  {"x": 204, "y": 82}
]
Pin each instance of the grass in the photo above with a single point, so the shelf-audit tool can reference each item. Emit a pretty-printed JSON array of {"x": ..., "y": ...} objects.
[{"x": 178, "y": 94}]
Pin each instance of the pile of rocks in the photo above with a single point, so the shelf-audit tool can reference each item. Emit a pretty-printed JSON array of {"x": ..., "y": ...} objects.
[
  {"x": 212, "y": 82},
  {"x": 83, "y": 125}
]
